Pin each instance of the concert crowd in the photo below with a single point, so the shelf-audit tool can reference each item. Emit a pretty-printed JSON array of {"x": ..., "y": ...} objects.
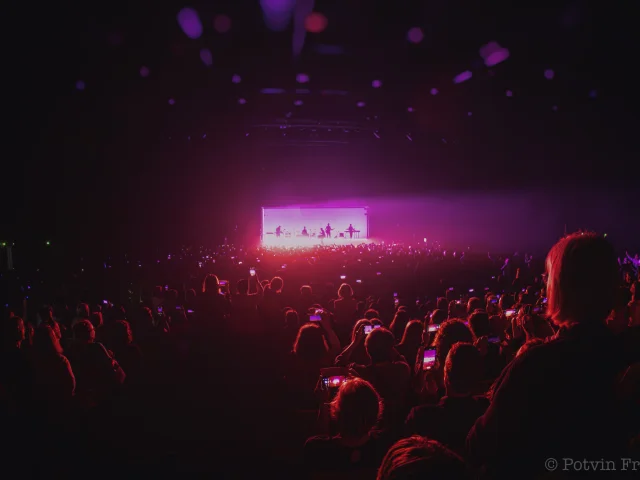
[{"x": 360, "y": 361}]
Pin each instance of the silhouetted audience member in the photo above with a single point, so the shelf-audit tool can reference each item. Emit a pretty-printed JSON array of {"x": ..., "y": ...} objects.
[
  {"x": 357, "y": 448},
  {"x": 450, "y": 420},
  {"x": 558, "y": 399},
  {"x": 54, "y": 380}
]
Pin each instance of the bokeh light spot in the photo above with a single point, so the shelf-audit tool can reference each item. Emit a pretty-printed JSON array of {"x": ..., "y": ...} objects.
[
  {"x": 434, "y": 91},
  {"x": 462, "y": 77},
  {"x": 172, "y": 101},
  {"x": 493, "y": 54},
  {"x": 469, "y": 114},
  {"x": 236, "y": 78},
  {"x": 376, "y": 83},
  {"x": 360, "y": 104},
  {"x": 415, "y": 35},
  {"x": 593, "y": 94},
  {"x": 315, "y": 22},
  {"x": 277, "y": 13},
  {"x": 297, "y": 103},
  {"x": 144, "y": 71},
  {"x": 206, "y": 57},
  {"x": 190, "y": 23},
  {"x": 410, "y": 109},
  {"x": 242, "y": 101},
  {"x": 80, "y": 85},
  {"x": 221, "y": 23},
  {"x": 554, "y": 108},
  {"x": 509, "y": 93},
  {"x": 549, "y": 74},
  {"x": 302, "y": 78}
]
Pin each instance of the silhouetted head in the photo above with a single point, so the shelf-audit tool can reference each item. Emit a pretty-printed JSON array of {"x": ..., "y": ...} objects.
[
  {"x": 84, "y": 332},
  {"x": 418, "y": 457},
  {"x": 450, "y": 332},
  {"x": 82, "y": 310},
  {"x": 356, "y": 408},
  {"x": 276, "y": 284},
  {"x": 479, "y": 323},
  {"x": 413, "y": 333},
  {"x": 345, "y": 291},
  {"x": 211, "y": 284},
  {"x": 380, "y": 345},
  {"x": 310, "y": 344},
  {"x": 462, "y": 369},
  {"x": 242, "y": 286},
  {"x": 582, "y": 279}
]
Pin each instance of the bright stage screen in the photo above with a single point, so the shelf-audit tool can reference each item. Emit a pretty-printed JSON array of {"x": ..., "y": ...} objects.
[{"x": 293, "y": 220}]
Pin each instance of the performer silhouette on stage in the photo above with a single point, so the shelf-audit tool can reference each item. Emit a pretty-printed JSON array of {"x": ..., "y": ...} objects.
[
  {"x": 304, "y": 232},
  {"x": 278, "y": 231},
  {"x": 351, "y": 230},
  {"x": 322, "y": 234},
  {"x": 328, "y": 230}
]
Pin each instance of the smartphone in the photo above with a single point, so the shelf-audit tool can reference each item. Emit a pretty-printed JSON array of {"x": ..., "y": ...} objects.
[
  {"x": 396, "y": 301},
  {"x": 342, "y": 277},
  {"x": 471, "y": 290},
  {"x": 378, "y": 273},
  {"x": 376, "y": 326},
  {"x": 429, "y": 358},
  {"x": 494, "y": 339},
  {"x": 537, "y": 309},
  {"x": 166, "y": 287},
  {"x": 358, "y": 281},
  {"x": 319, "y": 311},
  {"x": 458, "y": 302},
  {"x": 284, "y": 266},
  {"x": 315, "y": 318},
  {"x": 368, "y": 329},
  {"x": 178, "y": 307},
  {"x": 223, "y": 283},
  {"x": 451, "y": 289},
  {"x": 333, "y": 382},
  {"x": 433, "y": 328},
  {"x": 252, "y": 272},
  {"x": 189, "y": 311},
  {"x": 417, "y": 302},
  {"x": 494, "y": 300},
  {"x": 395, "y": 294},
  {"x": 509, "y": 313},
  {"x": 105, "y": 302},
  {"x": 159, "y": 309},
  {"x": 544, "y": 300}
]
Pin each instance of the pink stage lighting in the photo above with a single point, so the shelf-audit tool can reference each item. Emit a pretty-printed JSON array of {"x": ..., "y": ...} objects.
[{"x": 307, "y": 226}]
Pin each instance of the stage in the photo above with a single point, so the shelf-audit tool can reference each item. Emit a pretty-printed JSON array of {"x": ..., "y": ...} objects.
[{"x": 308, "y": 226}]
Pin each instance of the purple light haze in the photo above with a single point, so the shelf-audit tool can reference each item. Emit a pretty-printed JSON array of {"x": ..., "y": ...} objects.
[
  {"x": 469, "y": 114},
  {"x": 360, "y": 104},
  {"x": 593, "y": 94},
  {"x": 434, "y": 91},
  {"x": 294, "y": 219},
  {"x": 272, "y": 91},
  {"x": 80, "y": 85},
  {"x": 277, "y": 13},
  {"x": 190, "y": 23},
  {"x": 221, "y": 23},
  {"x": 297, "y": 103},
  {"x": 376, "y": 83},
  {"x": 242, "y": 101},
  {"x": 329, "y": 49},
  {"x": 236, "y": 79},
  {"x": 488, "y": 49},
  {"x": 509, "y": 93},
  {"x": 462, "y": 77},
  {"x": 206, "y": 57},
  {"x": 554, "y": 108},
  {"x": 415, "y": 35},
  {"x": 144, "y": 71},
  {"x": 549, "y": 74},
  {"x": 302, "y": 78},
  {"x": 172, "y": 101},
  {"x": 410, "y": 109}
]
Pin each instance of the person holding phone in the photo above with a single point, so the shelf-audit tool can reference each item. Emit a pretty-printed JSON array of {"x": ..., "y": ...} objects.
[
  {"x": 357, "y": 443},
  {"x": 387, "y": 371},
  {"x": 245, "y": 303},
  {"x": 449, "y": 421}
]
